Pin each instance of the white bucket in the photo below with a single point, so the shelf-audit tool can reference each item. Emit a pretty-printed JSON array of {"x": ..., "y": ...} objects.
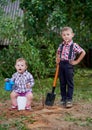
[{"x": 21, "y": 101}]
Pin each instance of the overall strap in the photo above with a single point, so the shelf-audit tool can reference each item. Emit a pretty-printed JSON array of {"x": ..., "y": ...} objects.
[
  {"x": 61, "y": 48},
  {"x": 70, "y": 52}
]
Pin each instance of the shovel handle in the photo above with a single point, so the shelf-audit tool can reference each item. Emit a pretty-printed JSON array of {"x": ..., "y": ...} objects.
[{"x": 56, "y": 75}]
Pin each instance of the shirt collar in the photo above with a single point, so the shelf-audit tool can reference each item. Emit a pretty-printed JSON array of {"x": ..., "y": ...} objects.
[
  {"x": 68, "y": 44},
  {"x": 22, "y": 74}
]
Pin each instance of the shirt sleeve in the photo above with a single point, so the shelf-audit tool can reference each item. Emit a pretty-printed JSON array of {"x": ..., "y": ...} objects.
[
  {"x": 77, "y": 48},
  {"x": 30, "y": 80},
  {"x": 59, "y": 49},
  {"x": 13, "y": 77}
]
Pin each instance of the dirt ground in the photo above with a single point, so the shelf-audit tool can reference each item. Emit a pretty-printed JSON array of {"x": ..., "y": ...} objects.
[{"x": 56, "y": 117}]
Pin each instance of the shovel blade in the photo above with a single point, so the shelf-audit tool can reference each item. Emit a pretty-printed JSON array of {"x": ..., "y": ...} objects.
[{"x": 50, "y": 98}]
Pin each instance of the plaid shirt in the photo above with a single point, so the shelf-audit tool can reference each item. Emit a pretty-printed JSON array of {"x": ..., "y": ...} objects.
[
  {"x": 66, "y": 48},
  {"x": 20, "y": 81}
]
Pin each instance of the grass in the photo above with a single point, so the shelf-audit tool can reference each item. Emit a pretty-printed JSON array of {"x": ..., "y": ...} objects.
[
  {"x": 81, "y": 121},
  {"x": 83, "y": 85},
  {"x": 82, "y": 92}
]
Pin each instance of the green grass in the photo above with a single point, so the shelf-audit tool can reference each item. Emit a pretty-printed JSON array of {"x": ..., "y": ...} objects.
[
  {"x": 83, "y": 85},
  {"x": 82, "y": 89},
  {"x": 82, "y": 92},
  {"x": 4, "y": 95},
  {"x": 79, "y": 121}
]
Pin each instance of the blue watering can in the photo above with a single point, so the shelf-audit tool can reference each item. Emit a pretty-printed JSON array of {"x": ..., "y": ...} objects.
[{"x": 8, "y": 85}]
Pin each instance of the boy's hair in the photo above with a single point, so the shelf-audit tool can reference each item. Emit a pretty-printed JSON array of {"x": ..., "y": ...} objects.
[
  {"x": 66, "y": 29},
  {"x": 22, "y": 59}
]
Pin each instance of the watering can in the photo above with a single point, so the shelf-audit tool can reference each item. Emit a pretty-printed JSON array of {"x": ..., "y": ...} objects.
[{"x": 8, "y": 85}]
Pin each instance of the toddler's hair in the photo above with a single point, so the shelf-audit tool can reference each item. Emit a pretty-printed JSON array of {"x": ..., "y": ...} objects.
[
  {"x": 22, "y": 59},
  {"x": 66, "y": 29}
]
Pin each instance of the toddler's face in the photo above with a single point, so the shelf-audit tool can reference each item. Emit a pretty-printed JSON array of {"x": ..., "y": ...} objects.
[
  {"x": 67, "y": 36},
  {"x": 20, "y": 66}
]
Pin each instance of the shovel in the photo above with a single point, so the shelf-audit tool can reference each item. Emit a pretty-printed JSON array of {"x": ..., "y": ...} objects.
[{"x": 50, "y": 98}]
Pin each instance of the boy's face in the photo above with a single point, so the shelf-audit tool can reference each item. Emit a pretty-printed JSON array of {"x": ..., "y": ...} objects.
[
  {"x": 20, "y": 66},
  {"x": 67, "y": 36}
]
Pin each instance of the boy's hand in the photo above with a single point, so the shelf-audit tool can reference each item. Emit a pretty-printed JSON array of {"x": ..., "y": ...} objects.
[
  {"x": 73, "y": 62},
  {"x": 28, "y": 85},
  {"x": 77, "y": 61},
  {"x": 57, "y": 60}
]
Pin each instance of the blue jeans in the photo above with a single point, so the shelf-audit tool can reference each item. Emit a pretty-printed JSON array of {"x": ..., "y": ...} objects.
[{"x": 66, "y": 73}]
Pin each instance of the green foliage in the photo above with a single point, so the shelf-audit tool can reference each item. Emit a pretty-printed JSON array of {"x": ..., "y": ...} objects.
[
  {"x": 45, "y": 19},
  {"x": 7, "y": 60},
  {"x": 32, "y": 55},
  {"x": 42, "y": 21},
  {"x": 79, "y": 18},
  {"x": 39, "y": 50},
  {"x": 41, "y": 16},
  {"x": 11, "y": 30},
  {"x": 36, "y": 36},
  {"x": 2, "y": 4}
]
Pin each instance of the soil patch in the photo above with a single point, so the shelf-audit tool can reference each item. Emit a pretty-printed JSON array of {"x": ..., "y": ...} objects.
[{"x": 79, "y": 117}]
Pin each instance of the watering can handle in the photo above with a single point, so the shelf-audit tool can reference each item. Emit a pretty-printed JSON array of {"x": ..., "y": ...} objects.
[{"x": 56, "y": 76}]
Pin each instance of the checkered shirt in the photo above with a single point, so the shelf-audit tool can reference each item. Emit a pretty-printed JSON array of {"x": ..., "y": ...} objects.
[
  {"x": 20, "y": 81},
  {"x": 66, "y": 48}
]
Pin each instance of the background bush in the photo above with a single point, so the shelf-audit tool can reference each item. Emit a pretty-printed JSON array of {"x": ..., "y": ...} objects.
[{"x": 36, "y": 37}]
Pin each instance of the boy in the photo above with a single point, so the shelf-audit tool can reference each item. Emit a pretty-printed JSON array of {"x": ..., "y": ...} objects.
[
  {"x": 23, "y": 83},
  {"x": 65, "y": 57}
]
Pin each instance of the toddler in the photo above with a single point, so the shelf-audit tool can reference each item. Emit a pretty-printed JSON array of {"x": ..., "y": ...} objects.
[{"x": 23, "y": 83}]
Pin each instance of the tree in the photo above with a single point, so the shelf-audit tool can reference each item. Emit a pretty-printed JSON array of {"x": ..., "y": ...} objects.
[{"x": 42, "y": 23}]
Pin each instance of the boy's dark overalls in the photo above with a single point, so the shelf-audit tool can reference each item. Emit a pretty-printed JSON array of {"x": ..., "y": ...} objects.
[{"x": 66, "y": 77}]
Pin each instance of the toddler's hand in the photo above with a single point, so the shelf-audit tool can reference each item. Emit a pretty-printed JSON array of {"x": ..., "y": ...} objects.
[
  {"x": 28, "y": 85},
  {"x": 6, "y": 80}
]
